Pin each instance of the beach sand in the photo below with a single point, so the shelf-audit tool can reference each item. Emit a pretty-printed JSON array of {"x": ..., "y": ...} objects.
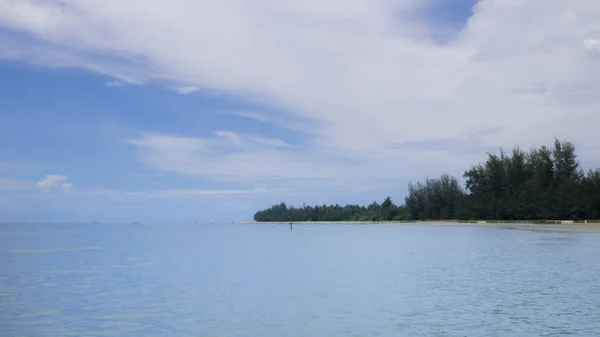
[{"x": 564, "y": 226}]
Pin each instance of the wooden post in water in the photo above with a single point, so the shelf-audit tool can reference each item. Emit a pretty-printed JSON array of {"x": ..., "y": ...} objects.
[{"x": 290, "y": 218}]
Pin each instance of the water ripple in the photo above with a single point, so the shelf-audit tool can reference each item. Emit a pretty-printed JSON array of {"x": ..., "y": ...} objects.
[{"x": 315, "y": 281}]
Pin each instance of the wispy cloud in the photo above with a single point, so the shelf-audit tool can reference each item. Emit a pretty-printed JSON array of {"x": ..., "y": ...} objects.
[
  {"x": 248, "y": 140},
  {"x": 231, "y": 138},
  {"x": 274, "y": 163},
  {"x": 114, "y": 84},
  {"x": 67, "y": 187},
  {"x": 592, "y": 44},
  {"x": 51, "y": 180},
  {"x": 55, "y": 182},
  {"x": 296, "y": 123},
  {"x": 270, "y": 142},
  {"x": 20, "y": 200},
  {"x": 161, "y": 142},
  {"x": 227, "y": 156},
  {"x": 184, "y": 90},
  {"x": 251, "y": 115},
  {"x": 197, "y": 193}
]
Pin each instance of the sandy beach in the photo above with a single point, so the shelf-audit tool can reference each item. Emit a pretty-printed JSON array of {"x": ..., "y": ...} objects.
[{"x": 563, "y": 226}]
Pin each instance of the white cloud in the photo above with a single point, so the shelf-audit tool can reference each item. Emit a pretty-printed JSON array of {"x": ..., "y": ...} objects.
[
  {"x": 247, "y": 141},
  {"x": 296, "y": 123},
  {"x": 114, "y": 84},
  {"x": 51, "y": 180},
  {"x": 251, "y": 115},
  {"x": 67, "y": 187},
  {"x": 363, "y": 72},
  {"x": 140, "y": 195},
  {"x": 226, "y": 156},
  {"x": 184, "y": 90},
  {"x": 186, "y": 193},
  {"x": 55, "y": 183},
  {"x": 231, "y": 138},
  {"x": 167, "y": 143},
  {"x": 270, "y": 141},
  {"x": 232, "y": 157},
  {"x": 592, "y": 44},
  {"x": 23, "y": 200}
]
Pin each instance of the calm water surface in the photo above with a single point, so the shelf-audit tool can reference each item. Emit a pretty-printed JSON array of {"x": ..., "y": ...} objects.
[{"x": 347, "y": 280}]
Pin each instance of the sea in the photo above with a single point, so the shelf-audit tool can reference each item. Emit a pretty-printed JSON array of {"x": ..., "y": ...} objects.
[{"x": 315, "y": 280}]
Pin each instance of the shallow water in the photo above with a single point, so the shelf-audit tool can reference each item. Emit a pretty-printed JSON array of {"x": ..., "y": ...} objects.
[{"x": 321, "y": 280}]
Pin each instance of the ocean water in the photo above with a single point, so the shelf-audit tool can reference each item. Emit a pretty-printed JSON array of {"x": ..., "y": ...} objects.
[{"x": 319, "y": 280}]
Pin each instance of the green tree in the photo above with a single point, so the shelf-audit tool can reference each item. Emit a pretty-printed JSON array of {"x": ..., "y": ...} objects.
[{"x": 545, "y": 183}]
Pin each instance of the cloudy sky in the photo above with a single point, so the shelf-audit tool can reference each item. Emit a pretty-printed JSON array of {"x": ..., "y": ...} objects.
[{"x": 155, "y": 110}]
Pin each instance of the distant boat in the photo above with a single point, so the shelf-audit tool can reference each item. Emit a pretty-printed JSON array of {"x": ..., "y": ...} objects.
[{"x": 136, "y": 222}]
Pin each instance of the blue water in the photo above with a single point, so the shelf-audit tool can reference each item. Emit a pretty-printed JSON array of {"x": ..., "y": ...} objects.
[{"x": 346, "y": 280}]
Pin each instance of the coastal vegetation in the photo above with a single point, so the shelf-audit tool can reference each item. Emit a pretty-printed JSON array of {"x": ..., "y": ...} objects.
[{"x": 543, "y": 184}]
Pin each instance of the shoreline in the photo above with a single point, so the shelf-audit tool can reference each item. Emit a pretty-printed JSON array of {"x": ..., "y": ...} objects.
[{"x": 554, "y": 226}]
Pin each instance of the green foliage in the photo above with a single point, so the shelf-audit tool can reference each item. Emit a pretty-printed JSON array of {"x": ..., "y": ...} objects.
[
  {"x": 387, "y": 211},
  {"x": 439, "y": 199},
  {"x": 544, "y": 184}
]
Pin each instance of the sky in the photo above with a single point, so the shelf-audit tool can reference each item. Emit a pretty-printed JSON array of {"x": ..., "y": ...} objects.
[{"x": 170, "y": 111}]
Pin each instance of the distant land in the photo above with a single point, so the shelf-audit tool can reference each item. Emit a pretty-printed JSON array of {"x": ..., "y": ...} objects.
[{"x": 543, "y": 185}]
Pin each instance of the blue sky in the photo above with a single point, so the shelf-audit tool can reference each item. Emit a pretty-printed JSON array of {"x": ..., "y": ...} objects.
[{"x": 184, "y": 110}]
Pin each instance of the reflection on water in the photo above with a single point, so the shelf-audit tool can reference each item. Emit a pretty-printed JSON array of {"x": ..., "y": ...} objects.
[{"x": 315, "y": 281}]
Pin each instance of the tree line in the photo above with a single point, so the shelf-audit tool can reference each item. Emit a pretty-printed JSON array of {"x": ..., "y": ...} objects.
[{"x": 542, "y": 184}]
